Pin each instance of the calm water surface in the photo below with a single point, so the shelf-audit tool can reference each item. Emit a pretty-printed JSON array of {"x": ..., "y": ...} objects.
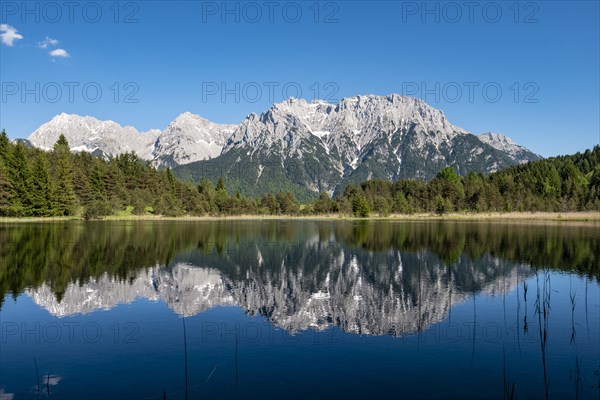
[{"x": 299, "y": 309}]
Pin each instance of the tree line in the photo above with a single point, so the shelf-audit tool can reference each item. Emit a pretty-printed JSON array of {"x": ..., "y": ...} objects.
[
  {"x": 58, "y": 182},
  {"x": 558, "y": 184}
]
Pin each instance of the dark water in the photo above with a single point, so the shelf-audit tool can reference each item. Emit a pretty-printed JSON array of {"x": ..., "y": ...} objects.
[{"x": 299, "y": 309}]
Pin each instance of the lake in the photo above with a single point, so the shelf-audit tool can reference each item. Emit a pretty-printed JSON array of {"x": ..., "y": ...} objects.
[{"x": 299, "y": 309}]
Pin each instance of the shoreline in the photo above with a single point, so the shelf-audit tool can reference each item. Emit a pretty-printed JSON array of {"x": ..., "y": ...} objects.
[{"x": 542, "y": 216}]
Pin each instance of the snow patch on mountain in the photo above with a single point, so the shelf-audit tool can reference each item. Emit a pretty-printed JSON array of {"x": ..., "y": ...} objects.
[
  {"x": 341, "y": 137},
  {"x": 87, "y": 133},
  {"x": 503, "y": 143},
  {"x": 190, "y": 138}
]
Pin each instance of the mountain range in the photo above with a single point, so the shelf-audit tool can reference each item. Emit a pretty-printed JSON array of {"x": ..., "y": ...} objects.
[{"x": 299, "y": 146}]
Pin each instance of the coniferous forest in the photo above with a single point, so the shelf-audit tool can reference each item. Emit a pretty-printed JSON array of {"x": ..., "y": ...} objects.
[{"x": 58, "y": 182}]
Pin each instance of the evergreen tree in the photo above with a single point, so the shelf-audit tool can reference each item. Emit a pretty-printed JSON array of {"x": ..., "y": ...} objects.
[
  {"x": 220, "y": 184},
  {"x": 381, "y": 205},
  {"x": 171, "y": 182},
  {"x": 6, "y": 190},
  {"x": 63, "y": 175},
  {"x": 449, "y": 185},
  {"x": 401, "y": 204},
  {"x": 114, "y": 181},
  {"x": 441, "y": 207},
  {"x": 81, "y": 163},
  {"x": 324, "y": 204},
  {"x": 21, "y": 180},
  {"x": 4, "y": 146},
  {"x": 97, "y": 183},
  {"x": 207, "y": 195},
  {"x": 42, "y": 193},
  {"x": 360, "y": 207},
  {"x": 269, "y": 202},
  {"x": 288, "y": 203},
  {"x": 222, "y": 197}
]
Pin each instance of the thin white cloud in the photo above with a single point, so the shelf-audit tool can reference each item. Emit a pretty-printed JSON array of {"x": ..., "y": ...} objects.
[
  {"x": 8, "y": 34},
  {"x": 48, "y": 42},
  {"x": 59, "y": 53}
]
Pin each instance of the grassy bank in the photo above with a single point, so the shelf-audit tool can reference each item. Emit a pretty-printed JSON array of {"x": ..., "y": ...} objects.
[{"x": 586, "y": 216}]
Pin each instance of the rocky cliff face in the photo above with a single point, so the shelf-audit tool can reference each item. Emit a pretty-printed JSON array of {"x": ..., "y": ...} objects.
[
  {"x": 89, "y": 134},
  {"x": 314, "y": 146},
  {"x": 503, "y": 143}
]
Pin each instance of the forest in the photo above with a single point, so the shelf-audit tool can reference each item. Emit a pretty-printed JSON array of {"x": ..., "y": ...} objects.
[{"x": 62, "y": 183}]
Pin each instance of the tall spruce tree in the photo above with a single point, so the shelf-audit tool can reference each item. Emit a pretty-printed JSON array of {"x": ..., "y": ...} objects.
[
  {"x": 42, "y": 191},
  {"x": 6, "y": 189},
  {"x": 4, "y": 145},
  {"x": 21, "y": 180},
  {"x": 360, "y": 206},
  {"x": 64, "y": 193},
  {"x": 97, "y": 183}
]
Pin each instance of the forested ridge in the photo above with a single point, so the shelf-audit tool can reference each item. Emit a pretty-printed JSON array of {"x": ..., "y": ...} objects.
[{"x": 58, "y": 182}]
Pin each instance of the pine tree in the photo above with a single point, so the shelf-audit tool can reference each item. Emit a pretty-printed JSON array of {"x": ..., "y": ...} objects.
[
  {"x": 81, "y": 166},
  {"x": 4, "y": 146},
  {"x": 97, "y": 183},
  {"x": 207, "y": 195},
  {"x": 401, "y": 204},
  {"x": 221, "y": 196},
  {"x": 441, "y": 206},
  {"x": 20, "y": 176},
  {"x": 42, "y": 191},
  {"x": 324, "y": 204},
  {"x": 6, "y": 190},
  {"x": 114, "y": 182},
  {"x": 220, "y": 184},
  {"x": 360, "y": 207},
  {"x": 270, "y": 203},
  {"x": 171, "y": 182},
  {"x": 64, "y": 193},
  {"x": 448, "y": 183},
  {"x": 288, "y": 203}
]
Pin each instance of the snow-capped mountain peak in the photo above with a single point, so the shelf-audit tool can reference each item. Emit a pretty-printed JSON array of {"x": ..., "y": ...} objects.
[
  {"x": 500, "y": 139},
  {"x": 503, "y": 143},
  {"x": 317, "y": 145},
  {"x": 190, "y": 138},
  {"x": 85, "y": 133}
]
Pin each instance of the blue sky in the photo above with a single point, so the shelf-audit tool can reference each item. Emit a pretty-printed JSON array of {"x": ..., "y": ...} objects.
[{"x": 530, "y": 70}]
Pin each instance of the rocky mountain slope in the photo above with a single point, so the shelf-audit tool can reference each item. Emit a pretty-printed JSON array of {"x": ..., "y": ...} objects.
[
  {"x": 503, "y": 143},
  {"x": 318, "y": 146},
  {"x": 92, "y": 135},
  {"x": 300, "y": 146},
  {"x": 190, "y": 138}
]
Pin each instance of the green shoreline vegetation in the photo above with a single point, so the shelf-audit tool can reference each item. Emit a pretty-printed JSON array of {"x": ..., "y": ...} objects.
[
  {"x": 59, "y": 184},
  {"x": 501, "y": 217}
]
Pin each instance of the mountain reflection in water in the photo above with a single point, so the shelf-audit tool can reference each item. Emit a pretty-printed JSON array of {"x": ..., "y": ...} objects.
[
  {"x": 365, "y": 277},
  {"x": 318, "y": 309}
]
